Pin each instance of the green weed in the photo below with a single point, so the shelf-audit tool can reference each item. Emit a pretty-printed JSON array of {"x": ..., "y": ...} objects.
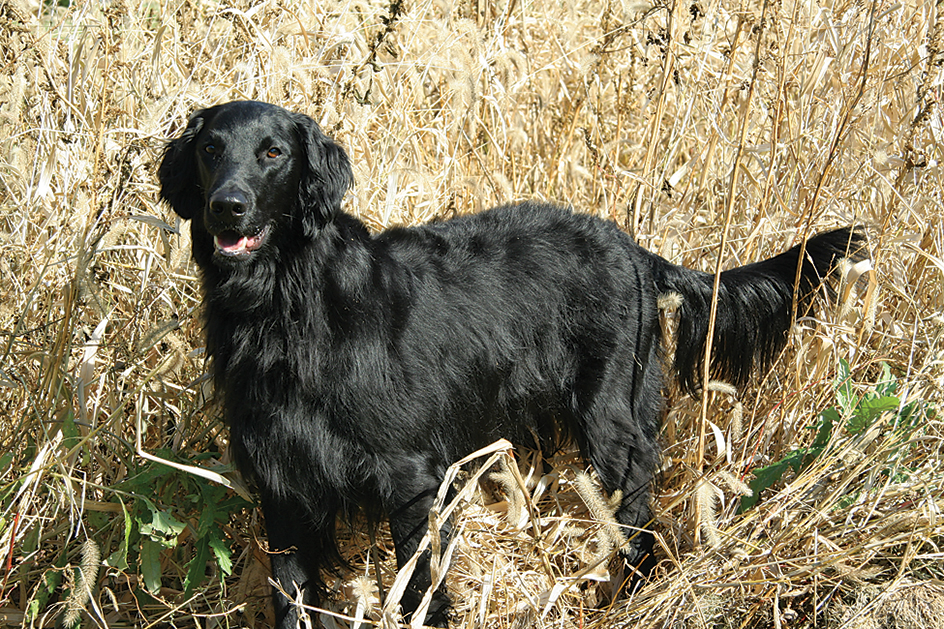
[{"x": 851, "y": 416}]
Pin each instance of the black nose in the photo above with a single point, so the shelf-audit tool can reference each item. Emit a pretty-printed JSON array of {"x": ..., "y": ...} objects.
[{"x": 227, "y": 205}]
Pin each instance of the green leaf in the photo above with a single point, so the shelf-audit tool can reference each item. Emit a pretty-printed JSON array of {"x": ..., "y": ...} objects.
[
  {"x": 845, "y": 392},
  {"x": 887, "y": 384},
  {"x": 30, "y": 541},
  {"x": 847, "y": 501},
  {"x": 163, "y": 527},
  {"x": 32, "y": 610},
  {"x": 869, "y": 410},
  {"x": 207, "y": 522},
  {"x": 196, "y": 569},
  {"x": 70, "y": 432},
  {"x": 767, "y": 476},
  {"x": 827, "y": 420},
  {"x": 5, "y": 461},
  {"x": 119, "y": 558},
  {"x": 764, "y": 478},
  {"x": 224, "y": 556},
  {"x": 749, "y": 502},
  {"x": 146, "y": 479},
  {"x": 151, "y": 564},
  {"x": 912, "y": 416}
]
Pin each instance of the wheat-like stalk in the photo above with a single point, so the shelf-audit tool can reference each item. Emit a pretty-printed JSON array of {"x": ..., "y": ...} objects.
[
  {"x": 829, "y": 111},
  {"x": 85, "y": 577}
]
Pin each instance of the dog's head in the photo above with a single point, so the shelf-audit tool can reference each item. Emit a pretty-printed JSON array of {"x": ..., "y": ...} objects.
[{"x": 248, "y": 173}]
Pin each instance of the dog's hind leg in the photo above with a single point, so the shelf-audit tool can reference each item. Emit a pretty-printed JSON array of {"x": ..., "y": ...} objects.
[
  {"x": 628, "y": 466},
  {"x": 618, "y": 428}
]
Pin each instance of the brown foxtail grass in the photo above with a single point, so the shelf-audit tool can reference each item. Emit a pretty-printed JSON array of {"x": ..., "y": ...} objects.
[{"x": 829, "y": 112}]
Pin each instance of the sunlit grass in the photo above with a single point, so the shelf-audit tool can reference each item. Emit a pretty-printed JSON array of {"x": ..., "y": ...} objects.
[{"x": 829, "y": 114}]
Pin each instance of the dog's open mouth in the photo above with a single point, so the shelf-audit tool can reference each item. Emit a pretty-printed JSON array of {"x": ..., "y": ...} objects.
[{"x": 230, "y": 243}]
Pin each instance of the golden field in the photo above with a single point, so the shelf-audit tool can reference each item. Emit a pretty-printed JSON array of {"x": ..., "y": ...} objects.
[{"x": 717, "y": 132}]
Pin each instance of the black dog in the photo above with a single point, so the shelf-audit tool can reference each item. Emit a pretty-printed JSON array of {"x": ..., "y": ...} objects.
[{"x": 355, "y": 368}]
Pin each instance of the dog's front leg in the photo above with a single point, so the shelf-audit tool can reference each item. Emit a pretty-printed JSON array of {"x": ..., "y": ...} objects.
[
  {"x": 409, "y": 521},
  {"x": 294, "y": 552}
]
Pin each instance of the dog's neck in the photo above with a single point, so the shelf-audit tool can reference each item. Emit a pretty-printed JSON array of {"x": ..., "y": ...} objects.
[
  {"x": 335, "y": 285},
  {"x": 291, "y": 270}
]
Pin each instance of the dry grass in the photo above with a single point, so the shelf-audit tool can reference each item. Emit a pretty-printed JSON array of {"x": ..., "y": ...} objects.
[{"x": 750, "y": 123}]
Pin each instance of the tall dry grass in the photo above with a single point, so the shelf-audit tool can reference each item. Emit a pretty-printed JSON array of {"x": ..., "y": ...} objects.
[{"x": 747, "y": 123}]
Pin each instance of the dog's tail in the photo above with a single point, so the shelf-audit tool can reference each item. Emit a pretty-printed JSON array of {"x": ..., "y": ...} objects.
[{"x": 755, "y": 306}]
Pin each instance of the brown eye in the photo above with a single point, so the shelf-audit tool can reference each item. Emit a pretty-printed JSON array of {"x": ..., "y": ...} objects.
[
  {"x": 273, "y": 152},
  {"x": 209, "y": 148}
]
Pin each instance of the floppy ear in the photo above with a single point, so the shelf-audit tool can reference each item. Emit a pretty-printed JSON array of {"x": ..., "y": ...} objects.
[
  {"x": 178, "y": 170},
  {"x": 326, "y": 175}
]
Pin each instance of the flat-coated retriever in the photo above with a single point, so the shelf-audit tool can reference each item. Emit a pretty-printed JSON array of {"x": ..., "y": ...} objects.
[{"x": 354, "y": 368}]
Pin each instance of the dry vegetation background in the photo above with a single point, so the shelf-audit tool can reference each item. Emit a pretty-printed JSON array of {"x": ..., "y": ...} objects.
[{"x": 760, "y": 119}]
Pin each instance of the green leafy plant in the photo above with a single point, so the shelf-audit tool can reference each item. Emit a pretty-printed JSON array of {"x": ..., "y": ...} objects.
[
  {"x": 853, "y": 413},
  {"x": 166, "y": 502},
  {"x": 167, "y": 518}
]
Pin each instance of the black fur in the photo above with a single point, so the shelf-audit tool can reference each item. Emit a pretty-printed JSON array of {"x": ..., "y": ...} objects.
[{"x": 355, "y": 368}]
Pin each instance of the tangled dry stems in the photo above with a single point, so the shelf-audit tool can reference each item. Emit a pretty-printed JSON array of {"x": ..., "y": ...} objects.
[{"x": 786, "y": 117}]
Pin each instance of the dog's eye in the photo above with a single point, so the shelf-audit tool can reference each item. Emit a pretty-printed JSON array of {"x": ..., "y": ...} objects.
[
  {"x": 274, "y": 152},
  {"x": 209, "y": 148}
]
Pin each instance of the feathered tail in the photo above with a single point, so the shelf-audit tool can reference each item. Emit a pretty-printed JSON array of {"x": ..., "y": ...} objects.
[{"x": 755, "y": 306}]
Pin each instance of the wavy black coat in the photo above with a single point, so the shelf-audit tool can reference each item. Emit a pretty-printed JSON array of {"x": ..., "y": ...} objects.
[{"x": 355, "y": 368}]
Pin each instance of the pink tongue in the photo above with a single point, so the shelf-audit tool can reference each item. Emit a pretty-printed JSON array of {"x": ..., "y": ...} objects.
[{"x": 231, "y": 241}]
